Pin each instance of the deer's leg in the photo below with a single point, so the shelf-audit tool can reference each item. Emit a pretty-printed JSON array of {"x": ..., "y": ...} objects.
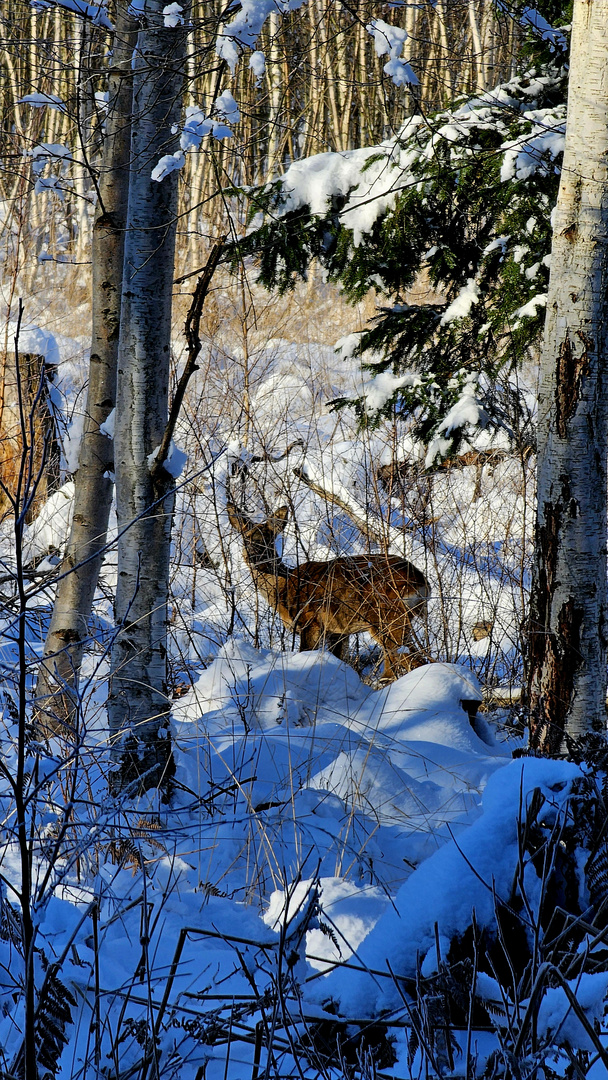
[
  {"x": 310, "y": 637},
  {"x": 389, "y": 646},
  {"x": 392, "y": 660},
  {"x": 416, "y": 656},
  {"x": 413, "y": 659},
  {"x": 337, "y": 644},
  {"x": 396, "y": 662}
]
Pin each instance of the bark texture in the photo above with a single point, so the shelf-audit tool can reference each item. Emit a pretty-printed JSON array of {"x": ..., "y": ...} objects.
[
  {"x": 138, "y": 705},
  {"x": 56, "y": 692},
  {"x": 567, "y": 644},
  {"x": 29, "y": 452}
]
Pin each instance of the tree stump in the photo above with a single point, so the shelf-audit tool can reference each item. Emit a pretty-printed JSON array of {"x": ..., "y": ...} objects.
[{"x": 29, "y": 450}]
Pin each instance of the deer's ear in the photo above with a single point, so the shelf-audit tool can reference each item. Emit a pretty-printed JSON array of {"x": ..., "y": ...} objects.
[
  {"x": 233, "y": 517},
  {"x": 279, "y": 518}
]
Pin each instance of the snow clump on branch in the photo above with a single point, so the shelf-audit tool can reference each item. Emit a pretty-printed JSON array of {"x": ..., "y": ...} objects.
[
  {"x": 391, "y": 39},
  {"x": 174, "y": 462},
  {"x": 173, "y": 16},
  {"x": 462, "y": 304},
  {"x": 257, "y": 63},
  {"x": 196, "y": 125},
  {"x": 39, "y": 99},
  {"x": 95, "y": 12},
  {"x": 243, "y": 31}
]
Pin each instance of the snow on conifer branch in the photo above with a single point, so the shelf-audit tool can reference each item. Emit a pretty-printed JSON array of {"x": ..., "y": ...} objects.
[{"x": 463, "y": 198}]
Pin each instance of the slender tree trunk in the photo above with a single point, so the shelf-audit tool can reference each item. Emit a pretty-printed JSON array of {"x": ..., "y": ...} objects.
[
  {"x": 138, "y": 705},
  {"x": 313, "y": 90},
  {"x": 80, "y": 218},
  {"x": 329, "y": 80},
  {"x": 63, "y": 649},
  {"x": 273, "y": 79},
  {"x": 444, "y": 73},
  {"x": 567, "y": 648},
  {"x": 478, "y": 59}
]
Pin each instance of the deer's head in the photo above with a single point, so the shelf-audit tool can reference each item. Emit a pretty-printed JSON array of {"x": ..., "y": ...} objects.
[{"x": 259, "y": 537}]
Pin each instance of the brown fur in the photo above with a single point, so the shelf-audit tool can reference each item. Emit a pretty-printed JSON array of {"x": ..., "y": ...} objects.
[{"x": 324, "y": 602}]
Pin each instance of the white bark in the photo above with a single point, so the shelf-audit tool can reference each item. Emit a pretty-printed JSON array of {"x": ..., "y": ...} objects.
[
  {"x": 273, "y": 79},
  {"x": 93, "y": 487},
  {"x": 80, "y": 181},
  {"x": 138, "y": 706},
  {"x": 478, "y": 54},
  {"x": 567, "y": 659}
]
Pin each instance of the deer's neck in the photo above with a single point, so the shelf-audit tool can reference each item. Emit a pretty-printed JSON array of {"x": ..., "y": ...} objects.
[
  {"x": 269, "y": 574},
  {"x": 274, "y": 581}
]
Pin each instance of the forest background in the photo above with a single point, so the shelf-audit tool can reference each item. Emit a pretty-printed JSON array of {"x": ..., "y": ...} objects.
[{"x": 96, "y": 964}]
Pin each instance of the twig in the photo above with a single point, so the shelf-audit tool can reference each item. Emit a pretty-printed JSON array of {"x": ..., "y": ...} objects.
[
  {"x": 276, "y": 457},
  {"x": 544, "y": 971},
  {"x": 192, "y": 331},
  {"x": 371, "y": 534}
]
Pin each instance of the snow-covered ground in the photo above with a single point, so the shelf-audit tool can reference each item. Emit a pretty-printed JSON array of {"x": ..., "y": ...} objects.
[
  {"x": 329, "y": 837},
  {"x": 304, "y": 800}
]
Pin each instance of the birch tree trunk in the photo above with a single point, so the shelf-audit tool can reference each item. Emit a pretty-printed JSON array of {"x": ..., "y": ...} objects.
[
  {"x": 478, "y": 56},
  {"x": 273, "y": 78},
  {"x": 138, "y": 705},
  {"x": 56, "y": 691},
  {"x": 567, "y": 647}
]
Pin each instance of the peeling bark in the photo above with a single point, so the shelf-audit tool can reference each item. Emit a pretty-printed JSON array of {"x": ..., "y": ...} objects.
[
  {"x": 567, "y": 624},
  {"x": 571, "y": 373}
]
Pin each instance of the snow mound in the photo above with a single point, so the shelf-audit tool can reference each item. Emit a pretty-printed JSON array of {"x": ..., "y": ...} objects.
[
  {"x": 318, "y": 770},
  {"x": 49, "y": 531},
  {"x": 469, "y": 874}
]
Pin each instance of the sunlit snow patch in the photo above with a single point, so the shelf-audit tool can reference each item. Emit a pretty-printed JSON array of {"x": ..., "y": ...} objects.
[{"x": 326, "y": 769}]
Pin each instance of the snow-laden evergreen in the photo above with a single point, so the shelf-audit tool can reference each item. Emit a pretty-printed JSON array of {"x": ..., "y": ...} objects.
[{"x": 457, "y": 207}]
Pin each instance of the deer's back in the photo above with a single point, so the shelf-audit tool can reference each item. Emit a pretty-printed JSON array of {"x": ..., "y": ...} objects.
[{"x": 350, "y": 593}]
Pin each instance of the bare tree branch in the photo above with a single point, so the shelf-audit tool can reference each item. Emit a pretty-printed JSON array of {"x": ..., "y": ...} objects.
[
  {"x": 192, "y": 332},
  {"x": 367, "y": 531}
]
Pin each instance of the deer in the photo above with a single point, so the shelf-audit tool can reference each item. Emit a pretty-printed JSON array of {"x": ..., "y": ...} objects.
[{"x": 325, "y": 602}]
